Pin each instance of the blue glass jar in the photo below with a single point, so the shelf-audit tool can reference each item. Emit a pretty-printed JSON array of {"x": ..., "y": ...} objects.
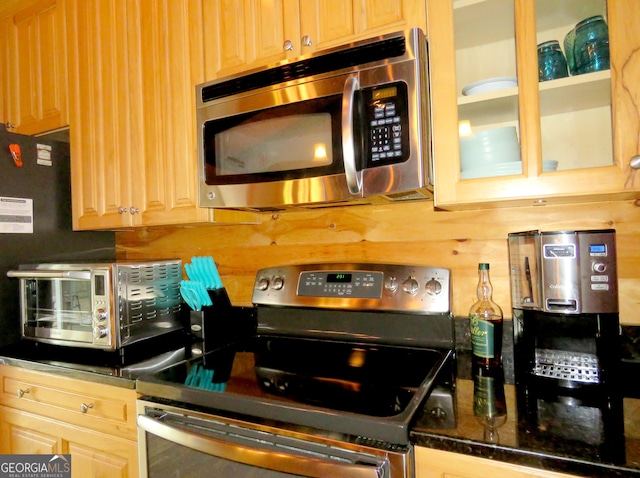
[
  {"x": 591, "y": 45},
  {"x": 551, "y": 61}
]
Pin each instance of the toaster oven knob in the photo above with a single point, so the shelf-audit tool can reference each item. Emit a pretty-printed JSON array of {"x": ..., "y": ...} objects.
[
  {"x": 263, "y": 284},
  {"x": 277, "y": 283},
  {"x": 410, "y": 286},
  {"x": 101, "y": 315},
  {"x": 433, "y": 287},
  {"x": 100, "y": 332}
]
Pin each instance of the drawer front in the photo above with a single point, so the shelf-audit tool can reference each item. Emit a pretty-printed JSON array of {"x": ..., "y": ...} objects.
[{"x": 91, "y": 405}]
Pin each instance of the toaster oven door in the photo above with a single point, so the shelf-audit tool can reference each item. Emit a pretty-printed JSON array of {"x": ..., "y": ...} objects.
[{"x": 57, "y": 306}]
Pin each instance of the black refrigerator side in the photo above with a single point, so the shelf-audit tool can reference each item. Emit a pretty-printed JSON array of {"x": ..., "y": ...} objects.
[{"x": 52, "y": 239}]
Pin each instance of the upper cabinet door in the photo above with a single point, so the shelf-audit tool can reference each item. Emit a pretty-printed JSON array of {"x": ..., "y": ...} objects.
[
  {"x": 243, "y": 34},
  {"x": 329, "y": 23},
  {"x": 34, "y": 43},
  {"x": 105, "y": 116},
  {"x": 571, "y": 140}
]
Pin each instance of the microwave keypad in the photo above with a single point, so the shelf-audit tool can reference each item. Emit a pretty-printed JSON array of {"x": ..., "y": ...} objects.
[
  {"x": 388, "y": 137},
  {"x": 386, "y": 133}
]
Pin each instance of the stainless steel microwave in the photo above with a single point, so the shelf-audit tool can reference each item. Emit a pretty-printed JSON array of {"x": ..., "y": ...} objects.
[
  {"x": 104, "y": 306},
  {"x": 350, "y": 124}
]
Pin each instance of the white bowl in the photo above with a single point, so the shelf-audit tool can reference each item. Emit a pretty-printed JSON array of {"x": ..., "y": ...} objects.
[{"x": 488, "y": 147}]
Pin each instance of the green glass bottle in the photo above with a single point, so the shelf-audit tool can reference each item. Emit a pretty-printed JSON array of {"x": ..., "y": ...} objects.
[{"x": 485, "y": 321}]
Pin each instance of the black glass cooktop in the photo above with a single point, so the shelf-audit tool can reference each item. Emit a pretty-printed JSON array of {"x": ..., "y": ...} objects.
[{"x": 354, "y": 388}]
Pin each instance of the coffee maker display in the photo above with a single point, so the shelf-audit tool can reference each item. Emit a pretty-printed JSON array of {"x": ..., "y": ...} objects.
[{"x": 564, "y": 293}]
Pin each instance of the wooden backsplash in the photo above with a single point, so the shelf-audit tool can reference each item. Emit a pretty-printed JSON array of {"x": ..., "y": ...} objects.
[{"x": 411, "y": 233}]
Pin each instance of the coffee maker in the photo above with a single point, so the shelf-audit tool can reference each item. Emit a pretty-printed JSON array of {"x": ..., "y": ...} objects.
[{"x": 564, "y": 293}]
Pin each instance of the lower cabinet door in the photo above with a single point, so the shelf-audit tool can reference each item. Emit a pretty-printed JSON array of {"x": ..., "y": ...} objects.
[
  {"x": 93, "y": 454},
  {"x": 432, "y": 463}
]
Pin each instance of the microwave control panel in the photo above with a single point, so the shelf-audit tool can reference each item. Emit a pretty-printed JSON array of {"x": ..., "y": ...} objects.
[{"x": 387, "y": 120}]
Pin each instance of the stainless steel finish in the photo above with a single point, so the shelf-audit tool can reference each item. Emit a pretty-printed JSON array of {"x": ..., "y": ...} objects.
[
  {"x": 287, "y": 45},
  {"x": 306, "y": 40},
  {"x": 389, "y": 181},
  {"x": 572, "y": 272},
  {"x": 126, "y": 302},
  {"x": 85, "y": 407},
  {"x": 21, "y": 393},
  {"x": 353, "y": 176},
  {"x": 286, "y": 451},
  {"x": 25, "y": 274},
  {"x": 635, "y": 162},
  {"x": 425, "y": 289}
]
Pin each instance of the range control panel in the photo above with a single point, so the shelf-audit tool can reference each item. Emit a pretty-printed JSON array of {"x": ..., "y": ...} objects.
[{"x": 363, "y": 286}]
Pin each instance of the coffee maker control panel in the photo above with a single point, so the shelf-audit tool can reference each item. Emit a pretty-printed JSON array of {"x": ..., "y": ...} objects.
[{"x": 567, "y": 272}]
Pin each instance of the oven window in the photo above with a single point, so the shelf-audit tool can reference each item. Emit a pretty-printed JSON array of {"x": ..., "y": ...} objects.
[
  {"x": 293, "y": 141},
  {"x": 59, "y": 304}
]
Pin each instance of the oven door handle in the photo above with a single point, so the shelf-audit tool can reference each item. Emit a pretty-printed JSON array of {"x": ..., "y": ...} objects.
[
  {"x": 36, "y": 274},
  {"x": 282, "y": 462},
  {"x": 354, "y": 177}
]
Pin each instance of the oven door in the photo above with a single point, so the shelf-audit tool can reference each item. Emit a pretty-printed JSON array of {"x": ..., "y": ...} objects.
[
  {"x": 177, "y": 442},
  {"x": 56, "y": 306}
]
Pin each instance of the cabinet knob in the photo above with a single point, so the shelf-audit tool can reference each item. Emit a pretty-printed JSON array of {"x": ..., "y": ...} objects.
[
  {"x": 21, "y": 392},
  {"x": 635, "y": 162},
  {"x": 84, "y": 407},
  {"x": 287, "y": 45},
  {"x": 122, "y": 210},
  {"x": 10, "y": 126},
  {"x": 133, "y": 210},
  {"x": 306, "y": 40}
]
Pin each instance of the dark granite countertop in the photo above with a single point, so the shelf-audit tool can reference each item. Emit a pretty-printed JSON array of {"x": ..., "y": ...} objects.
[{"x": 515, "y": 444}]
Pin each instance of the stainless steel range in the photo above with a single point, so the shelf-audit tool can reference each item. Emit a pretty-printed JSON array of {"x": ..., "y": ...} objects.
[{"x": 342, "y": 358}]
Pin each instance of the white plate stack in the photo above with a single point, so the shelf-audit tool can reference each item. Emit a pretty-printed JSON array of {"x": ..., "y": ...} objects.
[{"x": 492, "y": 152}]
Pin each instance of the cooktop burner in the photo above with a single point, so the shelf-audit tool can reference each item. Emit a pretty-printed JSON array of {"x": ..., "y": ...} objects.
[{"x": 351, "y": 388}]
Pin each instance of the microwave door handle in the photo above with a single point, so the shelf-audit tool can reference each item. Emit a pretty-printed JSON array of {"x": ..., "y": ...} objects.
[
  {"x": 354, "y": 177},
  {"x": 25, "y": 274},
  {"x": 283, "y": 462}
]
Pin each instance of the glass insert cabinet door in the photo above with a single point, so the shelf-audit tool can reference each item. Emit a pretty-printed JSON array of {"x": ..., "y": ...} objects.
[{"x": 541, "y": 109}]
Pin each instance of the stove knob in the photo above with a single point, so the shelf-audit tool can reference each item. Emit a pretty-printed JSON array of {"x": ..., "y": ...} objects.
[
  {"x": 433, "y": 287},
  {"x": 391, "y": 284},
  {"x": 263, "y": 284},
  {"x": 278, "y": 283},
  {"x": 410, "y": 286}
]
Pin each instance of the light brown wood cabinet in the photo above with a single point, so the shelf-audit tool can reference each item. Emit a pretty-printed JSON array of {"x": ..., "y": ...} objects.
[
  {"x": 245, "y": 34},
  {"x": 47, "y": 413},
  {"x": 588, "y": 123},
  {"x": 133, "y": 67},
  {"x": 33, "y": 73},
  {"x": 432, "y": 463}
]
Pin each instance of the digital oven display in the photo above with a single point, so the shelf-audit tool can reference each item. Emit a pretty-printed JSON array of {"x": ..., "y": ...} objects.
[{"x": 339, "y": 278}]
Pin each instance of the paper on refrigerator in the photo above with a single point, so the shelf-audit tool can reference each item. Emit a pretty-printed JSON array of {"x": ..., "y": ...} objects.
[{"x": 16, "y": 215}]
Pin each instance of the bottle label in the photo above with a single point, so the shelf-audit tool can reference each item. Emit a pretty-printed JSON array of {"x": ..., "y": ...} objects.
[{"x": 482, "y": 337}]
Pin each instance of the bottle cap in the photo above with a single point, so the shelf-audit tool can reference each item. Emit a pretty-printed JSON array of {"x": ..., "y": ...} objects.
[{"x": 483, "y": 266}]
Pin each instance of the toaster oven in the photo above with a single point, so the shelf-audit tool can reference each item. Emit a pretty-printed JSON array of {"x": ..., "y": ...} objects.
[{"x": 99, "y": 305}]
